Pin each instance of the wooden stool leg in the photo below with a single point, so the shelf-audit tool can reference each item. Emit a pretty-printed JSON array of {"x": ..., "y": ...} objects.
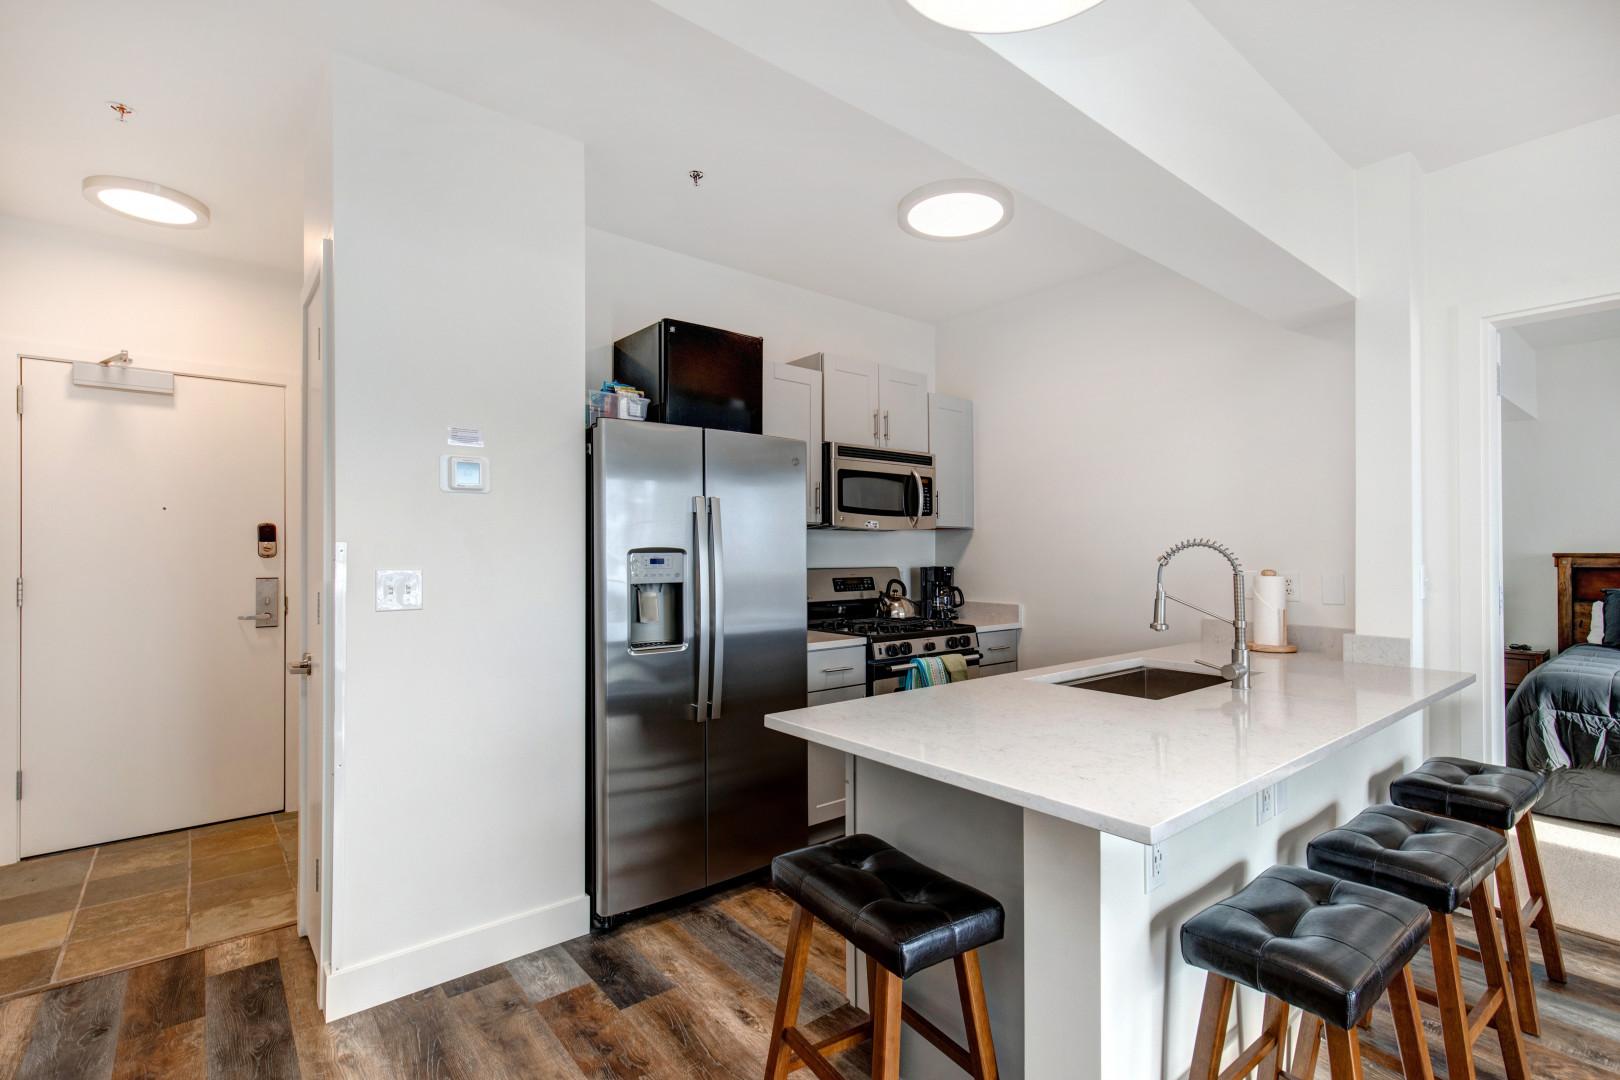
[
  {"x": 1552, "y": 953},
  {"x": 1307, "y": 1047},
  {"x": 885, "y": 1024},
  {"x": 1344, "y": 1053},
  {"x": 1448, "y": 993},
  {"x": 1274, "y": 1026},
  {"x": 1518, "y": 950},
  {"x": 1403, "y": 1003},
  {"x": 1212, "y": 1018},
  {"x": 787, "y": 998},
  {"x": 976, "y": 1016},
  {"x": 1506, "y": 1020}
]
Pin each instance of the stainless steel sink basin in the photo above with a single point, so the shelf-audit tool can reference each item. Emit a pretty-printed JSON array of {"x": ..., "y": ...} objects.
[{"x": 1151, "y": 683}]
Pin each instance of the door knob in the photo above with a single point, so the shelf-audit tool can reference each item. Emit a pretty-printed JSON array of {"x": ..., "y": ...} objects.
[{"x": 301, "y": 666}]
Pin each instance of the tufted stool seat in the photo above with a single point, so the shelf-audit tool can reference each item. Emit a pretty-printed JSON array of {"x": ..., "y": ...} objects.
[
  {"x": 1498, "y": 798},
  {"x": 1494, "y": 796},
  {"x": 887, "y": 904},
  {"x": 1431, "y": 860},
  {"x": 1440, "y": 864},
  {"x": 1313, "y": 942},
  {"x": 905, "y": 917}
]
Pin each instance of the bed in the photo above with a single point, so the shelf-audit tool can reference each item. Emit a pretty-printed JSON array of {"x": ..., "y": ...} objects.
[{"x": 1564, "y": 719}]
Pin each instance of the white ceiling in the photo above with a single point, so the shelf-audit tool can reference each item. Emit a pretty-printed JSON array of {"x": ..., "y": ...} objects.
[
  {"x": 798, "y": 186},
  {"x": 1445, "y": 80}
]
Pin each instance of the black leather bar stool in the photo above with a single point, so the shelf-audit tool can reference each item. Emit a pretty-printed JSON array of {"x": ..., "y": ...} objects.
[
  {"x": 1439, "y": 863},
  {"x": 1500, "y": 799},
  {"x": 1312, "y": 942},
  {"x": 904, "y": 917}
]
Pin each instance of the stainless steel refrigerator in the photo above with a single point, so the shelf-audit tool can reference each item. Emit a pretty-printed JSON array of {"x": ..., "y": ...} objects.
[{"x": 697, "y": 547}]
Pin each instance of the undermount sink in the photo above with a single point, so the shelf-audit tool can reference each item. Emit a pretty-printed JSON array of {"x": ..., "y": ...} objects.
[{"x": 1149, "y": 682}]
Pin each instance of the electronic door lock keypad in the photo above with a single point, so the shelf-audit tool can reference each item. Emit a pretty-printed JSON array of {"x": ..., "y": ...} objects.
[{"x": 267, "y": 539}]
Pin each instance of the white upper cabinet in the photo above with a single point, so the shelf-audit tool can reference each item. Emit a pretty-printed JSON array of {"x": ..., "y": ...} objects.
[
  {"x": 850, "y": 411},
  {"x": 865, "y": 404},
  {"x": 793, "y": 411},
  {"x": 950, "y": 440},
  {"x": 903, "y": 401}
]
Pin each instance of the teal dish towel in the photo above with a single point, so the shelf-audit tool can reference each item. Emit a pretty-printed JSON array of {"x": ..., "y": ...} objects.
[{"x": 926, "y": 671}]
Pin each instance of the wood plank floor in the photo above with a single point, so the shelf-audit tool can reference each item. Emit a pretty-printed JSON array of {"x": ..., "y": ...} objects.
[{"x": 683, "y": 994}]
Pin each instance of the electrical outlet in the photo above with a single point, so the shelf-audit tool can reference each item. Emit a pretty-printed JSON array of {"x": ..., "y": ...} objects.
[
  {"x": 1265, "y": 805},
  {"x": 1291, "y": 586},
  {"x": 1154, "y": 865},
  {"x": 399, "y": 590}
]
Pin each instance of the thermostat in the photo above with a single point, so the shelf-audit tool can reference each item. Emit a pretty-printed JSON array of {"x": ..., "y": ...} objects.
[{"x": 466, "y": 474}]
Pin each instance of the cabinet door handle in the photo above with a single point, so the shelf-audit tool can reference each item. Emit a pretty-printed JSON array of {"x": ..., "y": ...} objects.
[
  {"x": 998, "y": 648},
  {"x": 836, "y": 670},
  {"x": 885, "y": 427},
  {"x": 875, "y": 435},
  {"x": 815, "y": 509}
]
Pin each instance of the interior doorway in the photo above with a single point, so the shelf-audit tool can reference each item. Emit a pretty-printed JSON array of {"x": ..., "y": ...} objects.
[
  {"x": 153, "y": 606},
  {"x": 1553, "y": 531}
]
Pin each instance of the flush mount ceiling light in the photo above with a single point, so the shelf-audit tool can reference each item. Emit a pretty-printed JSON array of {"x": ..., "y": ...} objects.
[
  {"x": 146, "y": 201},
  {"x": 1000, "y": 16},
  {"x": 956, "y": 209}
]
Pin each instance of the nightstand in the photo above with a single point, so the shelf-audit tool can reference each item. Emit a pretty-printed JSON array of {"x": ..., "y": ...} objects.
[{"x": 1517, "y": 664}]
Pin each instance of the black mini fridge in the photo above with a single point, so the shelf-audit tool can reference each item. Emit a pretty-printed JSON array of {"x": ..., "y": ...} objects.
[{"x": 696, "y": 376}]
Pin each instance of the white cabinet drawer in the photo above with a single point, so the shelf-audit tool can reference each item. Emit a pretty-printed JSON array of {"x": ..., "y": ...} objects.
[
  {"x": 824, "y": 765},
  {"x": 829, "y": 669},
  {"x": 999, "y": 647}
]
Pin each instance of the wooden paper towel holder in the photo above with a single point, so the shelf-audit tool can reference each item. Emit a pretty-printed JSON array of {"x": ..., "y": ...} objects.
[{"x": 1276, "y": 648}]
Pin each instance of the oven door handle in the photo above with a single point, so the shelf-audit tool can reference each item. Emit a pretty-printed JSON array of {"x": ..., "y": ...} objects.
[{"x": 891, "y": 668}]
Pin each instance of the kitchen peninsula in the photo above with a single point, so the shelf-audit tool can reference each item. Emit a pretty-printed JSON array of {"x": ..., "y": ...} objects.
[{"x": 1103, "y": 821}]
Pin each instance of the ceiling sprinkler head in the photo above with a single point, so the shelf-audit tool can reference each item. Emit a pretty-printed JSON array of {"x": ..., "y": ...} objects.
[
  {"x": 123, "y": 111},
  {"x": 696, "y": 175}
]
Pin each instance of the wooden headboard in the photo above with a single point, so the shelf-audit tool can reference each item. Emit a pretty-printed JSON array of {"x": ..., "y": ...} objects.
[{"x": 1581, "y": 580}]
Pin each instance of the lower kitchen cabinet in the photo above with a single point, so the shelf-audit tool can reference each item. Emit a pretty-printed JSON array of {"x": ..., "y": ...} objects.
[
  {"x": 987, "y": 670},
  {"x": 826, "y": 766},
  {"x": 998, "y": 650}
]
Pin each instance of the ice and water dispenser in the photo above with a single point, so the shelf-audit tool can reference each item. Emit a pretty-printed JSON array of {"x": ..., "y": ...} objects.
[{"x": 657, "y": 580}]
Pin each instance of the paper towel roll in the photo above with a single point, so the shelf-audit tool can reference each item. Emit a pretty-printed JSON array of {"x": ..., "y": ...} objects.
[{"x": 1268, "y": 620}]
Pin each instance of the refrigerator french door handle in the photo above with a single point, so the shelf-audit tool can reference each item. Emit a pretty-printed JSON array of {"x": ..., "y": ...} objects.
[
  {"x": 717, "y": 613},
  {"x": 699, "y": 588}
]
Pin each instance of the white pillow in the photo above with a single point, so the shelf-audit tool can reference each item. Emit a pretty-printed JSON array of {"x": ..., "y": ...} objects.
[{"x": 1594, "y": 636}]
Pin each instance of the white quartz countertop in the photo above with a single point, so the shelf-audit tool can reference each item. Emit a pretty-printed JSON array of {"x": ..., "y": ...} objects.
[
  {"x": 1143, "y": 770},
  {"x": 820, "y": 639},
  {"x": 986, "y": 616}
]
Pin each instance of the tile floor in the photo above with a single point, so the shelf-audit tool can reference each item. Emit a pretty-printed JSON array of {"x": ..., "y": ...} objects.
[{"x": 79, "y": 913}]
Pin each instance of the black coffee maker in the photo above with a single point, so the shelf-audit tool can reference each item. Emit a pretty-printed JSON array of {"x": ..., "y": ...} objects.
[{"x": 939, "y": 596}]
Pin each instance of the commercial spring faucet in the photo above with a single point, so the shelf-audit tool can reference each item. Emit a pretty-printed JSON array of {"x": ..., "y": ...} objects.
[{"x": 1237, "y": 672}]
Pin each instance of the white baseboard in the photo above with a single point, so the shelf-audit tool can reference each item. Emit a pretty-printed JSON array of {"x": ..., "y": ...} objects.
[{"x": 360, "y": 986}]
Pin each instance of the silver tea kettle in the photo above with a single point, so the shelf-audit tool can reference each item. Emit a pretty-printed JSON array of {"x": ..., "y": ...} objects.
[{"x": 892, "y": 602}]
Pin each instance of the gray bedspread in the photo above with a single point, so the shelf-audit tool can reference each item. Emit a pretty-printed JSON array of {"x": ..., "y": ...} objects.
[{"x": 1564, "y": 721}]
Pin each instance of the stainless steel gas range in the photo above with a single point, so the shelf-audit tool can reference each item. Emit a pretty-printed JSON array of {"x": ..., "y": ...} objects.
[{"x": 851, "y": 600}]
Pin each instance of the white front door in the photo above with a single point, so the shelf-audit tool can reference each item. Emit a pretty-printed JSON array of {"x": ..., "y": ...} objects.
[{"x": 148, "y": 702}]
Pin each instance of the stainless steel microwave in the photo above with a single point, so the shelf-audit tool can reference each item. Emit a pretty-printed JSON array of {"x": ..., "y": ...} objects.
[{"x": 870, "y": 488}]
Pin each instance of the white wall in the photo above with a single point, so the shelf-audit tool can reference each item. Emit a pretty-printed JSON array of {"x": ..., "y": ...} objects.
[
  {"x": 1117, "y": 415},
  {"x": 1518, "y": 377},
  {"x": 459, "y": 285},
  {"x": 632, "y": 285},
  {"x": 81, "y": 295},
  {"x": 1525, "y": 226},
  {"x": 1558, "y": 482}
]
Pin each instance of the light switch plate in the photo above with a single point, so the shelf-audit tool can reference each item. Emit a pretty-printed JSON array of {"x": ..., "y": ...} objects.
[
  {"x": 399, "y": 590},
  {"x": 1332, "y": 588}
]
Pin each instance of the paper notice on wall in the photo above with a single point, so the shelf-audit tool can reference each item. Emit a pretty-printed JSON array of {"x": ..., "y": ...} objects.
[{"x": 466, "y": 436}]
